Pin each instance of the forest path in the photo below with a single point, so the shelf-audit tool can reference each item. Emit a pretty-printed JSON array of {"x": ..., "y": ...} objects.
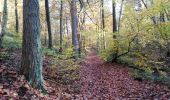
[{"x": 108, "y": 81}]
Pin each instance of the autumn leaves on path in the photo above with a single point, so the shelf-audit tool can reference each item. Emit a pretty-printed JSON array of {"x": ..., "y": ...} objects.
[{"x": 106, "y": 81}]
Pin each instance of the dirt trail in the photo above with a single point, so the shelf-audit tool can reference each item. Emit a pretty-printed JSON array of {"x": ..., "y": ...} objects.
[{"x": 107, "y": 81}]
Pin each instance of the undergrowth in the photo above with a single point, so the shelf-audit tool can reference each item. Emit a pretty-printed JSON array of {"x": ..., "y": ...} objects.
[
  {"x": 12, "y": 41},
  {"x": 145, "y": 73},
  {"x": 59, "y": 67}
]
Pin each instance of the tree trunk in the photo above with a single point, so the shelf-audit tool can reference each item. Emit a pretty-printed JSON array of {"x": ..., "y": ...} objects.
[
  {"x": 102, "y": 12},
  {"x": 31, "y": 65},
  {"x": 103, "y": 24},
  {"x": 16, "y": 17},
  {"x": 67, "y": 32},
  {"x": 153, "y": 18},
  {"x": 167, "y": 14},
  {"x": 114, "y": 16},
  {"x": 67, "y": 27},
  {"x": 74, "y": 24},
  {"x": 120, "y": 15},
  {"x": 48, "y": 23},
  {"x": 61, "y": 26},
  {"x": 162, "y": 17},
  {"x": 0, "y": 22},
  {"x": 4, "y": 22},
  {"x": 46, "y": 36}
]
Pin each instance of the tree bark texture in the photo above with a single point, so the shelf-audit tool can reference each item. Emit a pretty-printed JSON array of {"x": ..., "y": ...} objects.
[
  {"x": 4, "y": 22},
  {"x": 74, "y": 24},
  {"x": 16, "y": 17},
  {"x": 114, "y": 16},
  {"x": 61, "y": 26},
  {"x": 31, "y": 65},
  {"x": 48, "y": 23}
]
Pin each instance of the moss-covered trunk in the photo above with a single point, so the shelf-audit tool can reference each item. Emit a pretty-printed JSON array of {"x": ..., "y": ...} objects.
[
  {"x": 31, "y": 65},
  {"x": 4, "y": 22}
]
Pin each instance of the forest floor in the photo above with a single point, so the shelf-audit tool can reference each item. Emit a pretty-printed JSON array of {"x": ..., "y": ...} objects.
[
  {"x": 107, "y": 81},
  {"x": 99, "y": 80}
]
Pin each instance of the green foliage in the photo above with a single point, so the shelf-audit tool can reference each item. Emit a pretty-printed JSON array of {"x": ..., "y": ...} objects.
[
  {"x": 62, "y": 64},
  {"x": 4, "y": 55},
  {"x": 12, "y": 41},
  {"x": 143, "y": 74},
  {"x": 68, "y": 52},
  {"x": 50, "y": 52},
  {"x": 147, "y": 74},
  {"x": 142, "y": 43},
  {"x": 107, "y": 54}
]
